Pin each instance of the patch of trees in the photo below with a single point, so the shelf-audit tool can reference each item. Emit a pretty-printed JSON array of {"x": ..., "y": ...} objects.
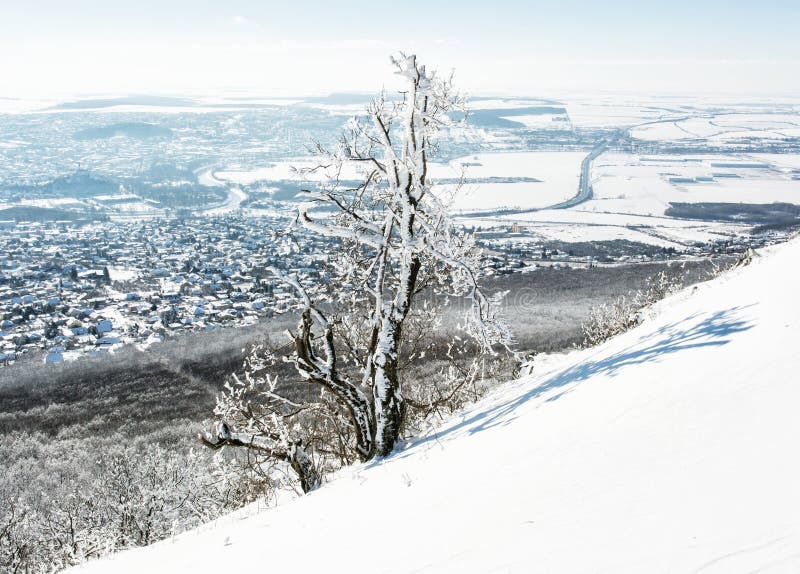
[
  {"x": 68, "y": 500},
  {"x": 98, "y": 455},
  {"x": 755, "y": 213},
  {"x": 33, "y": 213}
]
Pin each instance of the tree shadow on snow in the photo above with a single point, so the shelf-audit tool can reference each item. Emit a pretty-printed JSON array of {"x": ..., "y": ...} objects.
[{"x": 696, "y": 331}]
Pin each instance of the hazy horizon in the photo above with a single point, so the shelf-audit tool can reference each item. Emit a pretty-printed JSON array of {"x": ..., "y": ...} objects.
[{"x": 50, "y": 50}]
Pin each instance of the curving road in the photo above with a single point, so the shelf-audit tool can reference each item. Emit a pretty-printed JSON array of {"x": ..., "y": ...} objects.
[
  {"x": 231, "y": 203},
  {"x": 235, "y": 198},
  {"x": 585, "y": 183}
]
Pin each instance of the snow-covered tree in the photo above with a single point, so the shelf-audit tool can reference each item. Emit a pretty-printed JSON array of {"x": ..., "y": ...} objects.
[{"x": 396, "y": 243}]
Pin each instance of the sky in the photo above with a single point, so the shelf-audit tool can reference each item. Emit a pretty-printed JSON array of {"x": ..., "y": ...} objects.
[{"x": 50, "y": 48}]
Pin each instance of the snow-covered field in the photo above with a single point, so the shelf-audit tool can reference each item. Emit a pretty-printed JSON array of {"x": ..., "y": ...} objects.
[
  {"x": 646, "y": 185},
  {"x": 122, "y": 274},
  {"x": 52, "y": 203},
  {"x": 283, "y": 170},
  {"x": 612, "y": 112},
  {"x": 582, "y": 224},
  {"x": 671, "y": 448},
  {"x": 542, "y": 121},
  {"x": 722, "y": 127},
  {"x": 506, "y": 103},
  {"x": 631, "y": 192},
  {"x": 557, "y": 173},
  {"x": 679, "y": 238}
]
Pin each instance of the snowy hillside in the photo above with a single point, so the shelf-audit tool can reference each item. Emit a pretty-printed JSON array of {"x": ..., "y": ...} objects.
[{"x": 673, "y": 448}]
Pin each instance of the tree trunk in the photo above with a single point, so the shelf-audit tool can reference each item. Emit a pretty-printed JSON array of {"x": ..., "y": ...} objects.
[
  {"x": 390, "y": 409},
  {"x": 388, "y": 396},
  {"x": 302, "y": 465}
]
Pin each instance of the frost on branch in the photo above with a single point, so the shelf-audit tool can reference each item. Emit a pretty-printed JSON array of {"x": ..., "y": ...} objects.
[
  {"x": 396, "y": 248},
  {"x": 625, "y": 312},
  {"x": 262, "y": 419}
]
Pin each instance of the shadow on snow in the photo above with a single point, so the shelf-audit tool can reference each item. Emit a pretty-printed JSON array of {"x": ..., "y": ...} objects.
[{"x": 696, "y": 331}]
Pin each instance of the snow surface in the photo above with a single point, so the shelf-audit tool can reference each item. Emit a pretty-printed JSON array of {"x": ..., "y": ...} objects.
[
  {"x": 577, "y": 233},
  {"x": 646, "y": 185},
  {"x": 505, "y": 103},
  {"x": 542, "y": 121},
  {"x": 283, "y": 170},
  {"x": 583, "y": 224},
  {"x": 721, "y": 127},
  {"x": 612, "y": 113},
  {"x": 558, "y": 174},
  {"x": 672, "y": 448}
]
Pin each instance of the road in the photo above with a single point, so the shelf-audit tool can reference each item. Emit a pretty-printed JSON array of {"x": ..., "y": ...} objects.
[
  {"x": 235, "y": 197},
  {"x": 231, "y": 203},
  {"x": 585, "y": 183}
]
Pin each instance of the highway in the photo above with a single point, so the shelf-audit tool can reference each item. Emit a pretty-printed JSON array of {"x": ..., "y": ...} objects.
[{"x": 585, "y": 183}]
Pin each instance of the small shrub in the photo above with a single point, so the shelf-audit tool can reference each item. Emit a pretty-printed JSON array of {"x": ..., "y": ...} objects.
[{"x": 625, "y": 312}]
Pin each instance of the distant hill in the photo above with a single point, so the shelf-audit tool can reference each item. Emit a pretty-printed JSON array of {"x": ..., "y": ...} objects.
[
  {"x": 33, "y": 213},
  {"x": 498, "y": 118},
  {"x": 81, "y": 183},
  {"x": 139, "y": 130},
  {"x": 341, "y": 99},
  {"x": 90, "y": 104}
]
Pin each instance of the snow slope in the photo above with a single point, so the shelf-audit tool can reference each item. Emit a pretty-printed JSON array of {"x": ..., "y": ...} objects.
[{"x": 672, "y": 448}]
